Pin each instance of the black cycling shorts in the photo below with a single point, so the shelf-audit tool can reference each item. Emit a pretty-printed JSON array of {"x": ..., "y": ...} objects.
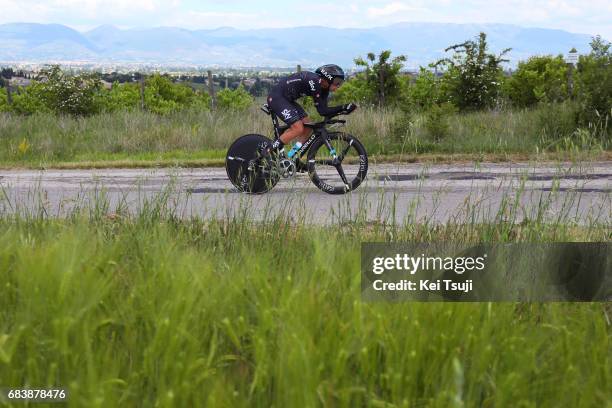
[{"x": 289, "y": 112}]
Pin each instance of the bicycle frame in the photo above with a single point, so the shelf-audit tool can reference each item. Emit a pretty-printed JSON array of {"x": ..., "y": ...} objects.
[
  {"x": 304, "y": 149},
  {"x": 268, "y": 168},
  {"x": 319, "y": 131}
]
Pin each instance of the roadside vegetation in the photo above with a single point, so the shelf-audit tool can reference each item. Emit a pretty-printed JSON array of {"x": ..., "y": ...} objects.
[
  {"x": 147, "y": 308},
  {"x": 44, "y": 139},
  {"x": 473, "y": 107}
]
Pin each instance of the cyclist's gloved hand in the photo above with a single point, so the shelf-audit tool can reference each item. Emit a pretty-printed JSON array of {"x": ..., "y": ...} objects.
[{"x": 348, "y": 108}]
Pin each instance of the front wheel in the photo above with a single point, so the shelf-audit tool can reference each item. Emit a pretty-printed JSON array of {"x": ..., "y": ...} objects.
[{"x": 344, "y": 173}]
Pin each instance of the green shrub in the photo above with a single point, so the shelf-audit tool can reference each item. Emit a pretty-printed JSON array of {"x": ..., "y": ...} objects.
[
  {"x": 237, "y": 99},
  {"x": 355, "y": 90},
  {"x": 83, "y": 95},
  {"x": 383, "y": 77},
  {"x": 403, "y": 126},
  {"x": 474, "y": 77},
  {"x": 163, "y": 97},
  {"x": 4, "y": 106},
  {"x": 594, "y": 86},
  {"x": 120, "y": 97},
  {"x": 423, "y": 93},
  {"x": 539, "y": 79},
  {"x": 32, "y": 99},
  {"x": 59, "y": 92},
  {"x": 437, "y": 123}
]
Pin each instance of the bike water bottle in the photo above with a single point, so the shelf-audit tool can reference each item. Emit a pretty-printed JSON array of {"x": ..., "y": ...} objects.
[{"x": 294, "y": 150}]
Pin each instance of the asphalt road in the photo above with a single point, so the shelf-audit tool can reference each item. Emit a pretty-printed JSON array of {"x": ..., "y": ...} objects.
[{"x": 565, "y": 192}]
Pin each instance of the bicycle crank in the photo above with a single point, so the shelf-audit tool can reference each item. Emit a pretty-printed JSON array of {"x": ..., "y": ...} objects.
[{"x": 286, "y": 168}]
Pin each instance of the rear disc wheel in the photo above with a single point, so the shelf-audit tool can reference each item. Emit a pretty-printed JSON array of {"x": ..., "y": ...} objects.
[{"x": 246, "y": 169}]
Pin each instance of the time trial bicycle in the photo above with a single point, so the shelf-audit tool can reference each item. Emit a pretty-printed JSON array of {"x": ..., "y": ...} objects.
[{"x": 336, "y": 162}]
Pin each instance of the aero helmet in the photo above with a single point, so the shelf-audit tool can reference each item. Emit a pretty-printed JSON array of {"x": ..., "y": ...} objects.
[{"x": 330, "y": 71}]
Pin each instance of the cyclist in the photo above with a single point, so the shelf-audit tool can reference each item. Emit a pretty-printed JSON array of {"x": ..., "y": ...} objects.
[{"x": 318, "y": 84}]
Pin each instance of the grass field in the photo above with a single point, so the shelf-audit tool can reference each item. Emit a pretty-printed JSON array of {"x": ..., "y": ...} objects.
[
  {"x": 191, "y": 136},
  {"x": 150, "y": 310}
]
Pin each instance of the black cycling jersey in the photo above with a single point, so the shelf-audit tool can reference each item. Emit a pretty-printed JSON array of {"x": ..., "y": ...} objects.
[{"x": 305, "y": 83}]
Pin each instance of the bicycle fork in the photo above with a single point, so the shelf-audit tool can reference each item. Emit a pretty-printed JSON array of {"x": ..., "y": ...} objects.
[{"x": 335, "y": 161}]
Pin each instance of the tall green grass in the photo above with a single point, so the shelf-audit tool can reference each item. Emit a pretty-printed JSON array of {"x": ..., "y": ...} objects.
[
  {"x": 547, "y": 127},
  {"x": 149, "y": 310},
  {"x": 45, "y": 138}
]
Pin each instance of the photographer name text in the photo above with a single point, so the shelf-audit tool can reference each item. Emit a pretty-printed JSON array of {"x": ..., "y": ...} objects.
[{"x": 412, "y": 264}]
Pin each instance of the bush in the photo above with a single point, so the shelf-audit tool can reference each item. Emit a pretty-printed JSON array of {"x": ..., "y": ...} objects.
[
  {"x": 57, "y": 92},
  {"x": 61, "y": 93},
  {"x": 382, "y": 77},
  {"x": 82, "y": 95},
  {"x": 31, "y": 99},
  {"x": 163, "y": 97},
  {"x": 237, "y": 99},
  {"x": 403, "y": 126},
  {"x": 437, "y": 118},
  {"x": 423, "y": 93},
  {"x": 473, "y": 78},
  {"x": 4, "y": 106},
  {"x": 539, "y": 79},
  {"x": 594, "y": 85},
  {"x": 120, "y": 97},
  {"x": 355, "y": 90}
]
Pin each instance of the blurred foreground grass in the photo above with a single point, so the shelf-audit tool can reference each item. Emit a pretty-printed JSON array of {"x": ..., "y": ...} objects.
[{"x": 150, "y": 310}]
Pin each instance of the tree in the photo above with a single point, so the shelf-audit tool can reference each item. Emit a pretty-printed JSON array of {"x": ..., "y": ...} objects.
[
  {"x": 260, "y": 88},
  {"x": 355, "y": 90},
  {"x": 67, "y": 94},
  {"x": 7, "y": 73},
  {"x": 120, "y": 97},
  {"x": 473, "y": 76},
  {"x": 237, "y": 99},
  {"x": 594, "y": 84},
  {"x": 382, "y": 77},
  {"x": 32, "y": 99},
  {"x": 162, "y": 96},
  {"x": 424, "y": 93},
  {"x": 55, "y": 91},
  {"x": 539, "y": 79},
  {"x": 600, "y": 48}
]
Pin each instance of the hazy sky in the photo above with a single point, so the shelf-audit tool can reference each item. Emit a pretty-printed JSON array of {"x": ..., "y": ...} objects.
[{"x": 589, "y": 17}]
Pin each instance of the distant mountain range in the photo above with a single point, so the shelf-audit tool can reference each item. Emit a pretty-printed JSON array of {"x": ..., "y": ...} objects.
[{"x": 422, "y": 43}]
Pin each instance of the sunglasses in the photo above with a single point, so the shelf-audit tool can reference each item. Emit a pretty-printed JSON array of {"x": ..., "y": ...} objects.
[{"x": 337, "y": 81}]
